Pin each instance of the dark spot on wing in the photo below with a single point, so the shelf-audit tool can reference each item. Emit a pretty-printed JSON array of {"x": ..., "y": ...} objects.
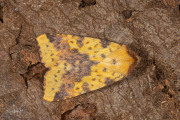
[
  {"x": 65, "y": 67},
  {"x": 85, "y": 87},
  {"x": 77, "y": 79},
  {"x": 110, "y": 50},
  {"x": 74, "y": 50},
  {"x": 95, "y": 45},
  {"x": 61, "y": 94},
  {"x": 104, "y": 69},
  {"x": 65, "y": 64},
  {"x": 50, "y": 37},
  {"x": 89, "y": 48},
  {"x": 80, "y": 61},
  {"x": 80, "y": 70},
  {"x": 109, "y": 81},
  {"x": 114, "y": 61},
  {"x": 99, "y": 75},
  {"x": 58, "y": 47},
  {"x": 56, "y": 64},
  {"x": 105, "y": 43},
  {"x": 61, "y": 57},
  {"x": 69, "y": 85},
  {"x": 103, "y": 56},
  {"x": 79, "y": 42},
  {"x": 85, "y": 57},
  {"x": 68, "y": 73}
]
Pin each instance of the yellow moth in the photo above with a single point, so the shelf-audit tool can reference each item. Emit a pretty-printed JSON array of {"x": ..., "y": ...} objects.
[{"x": 78, "y": 65}]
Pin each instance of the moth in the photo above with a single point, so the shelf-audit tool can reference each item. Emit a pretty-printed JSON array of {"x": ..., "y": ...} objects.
[{"x": 78, "y": 65}]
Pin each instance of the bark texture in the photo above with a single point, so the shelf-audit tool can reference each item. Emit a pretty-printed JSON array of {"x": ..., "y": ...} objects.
[{"x": 151, "y": 28}]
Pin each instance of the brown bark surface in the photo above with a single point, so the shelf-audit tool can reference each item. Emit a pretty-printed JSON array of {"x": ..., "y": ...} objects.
[{"x": 151, "y": 28}]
